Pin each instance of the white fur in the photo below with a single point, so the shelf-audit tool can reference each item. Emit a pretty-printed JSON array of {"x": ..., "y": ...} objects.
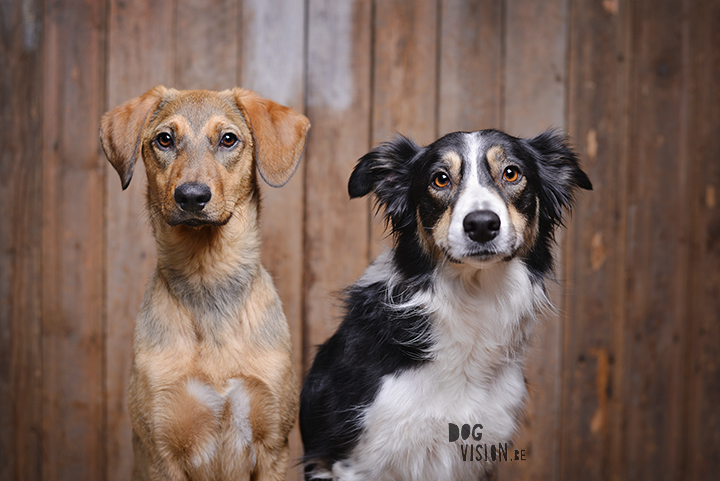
[
  {"x": 205, "y": 394},
  {"x": 474, "y": 197},
  {"x": 474, "y": 377},
  {"x": 381, "y": 270},
  {"x": 240, "y": 411},
  {"x": 239, "y": 403}
]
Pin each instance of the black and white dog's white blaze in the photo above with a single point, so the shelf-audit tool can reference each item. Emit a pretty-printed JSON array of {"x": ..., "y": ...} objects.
[{"x": 435, "y": 330}]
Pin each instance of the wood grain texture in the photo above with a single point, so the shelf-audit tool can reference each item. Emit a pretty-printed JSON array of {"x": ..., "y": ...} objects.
[
  {"x": 657, "y": 244},
  {"x": 21, "y": 202},
  {"x": 140, "y": 56},
  {"x": 273, "y": 52},
  {"x": 594, "y": 261},
  {"x": 535, "y": 52},
  {"x": 471, "y": 65},
  {"x": 338, "y": 97},
  {"x": 72, "y": 242},
  {"x": 404, "y": 83},
  {"x": 624, "y": 384},
  {"x": 206, "y": 44},
  {"x": 535, "y": 65},
  {"x": 702, "y": 455}
]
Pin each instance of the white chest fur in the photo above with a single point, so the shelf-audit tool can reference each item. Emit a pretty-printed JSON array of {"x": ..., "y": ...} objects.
[{"x": 480, "y": 324}]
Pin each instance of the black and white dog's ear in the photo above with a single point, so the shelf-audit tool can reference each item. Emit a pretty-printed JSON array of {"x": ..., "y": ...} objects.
[
  {"x": 385, "y": 164},
  {"x": 386, "y": 171},
  {"x": 560, "y": 174}
]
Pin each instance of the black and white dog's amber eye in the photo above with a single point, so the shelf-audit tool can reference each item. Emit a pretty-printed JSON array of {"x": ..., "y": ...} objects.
[
  {"x": 511, "y": 174},
  {"x": 441, "y": 180},
  {"x": 228, "y": 140},
  {"x": 164, "y": 140}
]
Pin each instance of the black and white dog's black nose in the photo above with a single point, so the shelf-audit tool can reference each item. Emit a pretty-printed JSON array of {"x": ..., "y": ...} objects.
[
  {"x": 482, "y": 225},
  {"x": 192, "y": 196}
]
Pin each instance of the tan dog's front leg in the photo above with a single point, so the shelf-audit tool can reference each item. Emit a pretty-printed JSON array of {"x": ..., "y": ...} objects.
[
  {"x": 271, "y": 466},
  {"x": 272, "y": 415},
  {"x": 141, "y": 470}
]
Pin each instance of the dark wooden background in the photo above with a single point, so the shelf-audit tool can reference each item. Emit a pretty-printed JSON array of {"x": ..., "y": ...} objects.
[{"x": 625, "y": 379}]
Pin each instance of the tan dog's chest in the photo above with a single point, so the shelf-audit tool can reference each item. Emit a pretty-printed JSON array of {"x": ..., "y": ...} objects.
[
  {"x": 201, "y": 391},
  {"x": 194, "y": 423}
]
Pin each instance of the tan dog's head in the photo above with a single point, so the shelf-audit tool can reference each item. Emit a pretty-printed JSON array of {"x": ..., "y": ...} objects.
[{"x": 199, "y": 148}]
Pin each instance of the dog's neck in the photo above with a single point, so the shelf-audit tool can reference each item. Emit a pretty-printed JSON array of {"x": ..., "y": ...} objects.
[
  {"x": 210, "y": 272},
  {"x": 490, "y": 310},
  {"x": 209, "y": 255}
]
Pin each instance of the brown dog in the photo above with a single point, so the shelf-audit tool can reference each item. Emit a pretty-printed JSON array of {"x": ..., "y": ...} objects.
[{"x": 213, "y": 392}]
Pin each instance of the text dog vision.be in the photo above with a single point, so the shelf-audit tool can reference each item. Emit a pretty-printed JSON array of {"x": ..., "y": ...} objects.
[{"x": 479, "y": 452}]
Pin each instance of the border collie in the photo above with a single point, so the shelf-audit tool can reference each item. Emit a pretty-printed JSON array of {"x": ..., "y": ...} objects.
[{"x": 436, "y": 329}]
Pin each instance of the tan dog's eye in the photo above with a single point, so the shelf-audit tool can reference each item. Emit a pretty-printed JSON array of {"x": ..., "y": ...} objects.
[
  {"x": 164, "y": 140},
  {"x": 441, "y": 180},
  {"x": 511, "y": 174},
  {"x": 228, "y": 140}
]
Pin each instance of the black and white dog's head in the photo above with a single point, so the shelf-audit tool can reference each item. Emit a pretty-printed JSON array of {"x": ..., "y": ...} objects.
[{"x": 472, "y": 199}]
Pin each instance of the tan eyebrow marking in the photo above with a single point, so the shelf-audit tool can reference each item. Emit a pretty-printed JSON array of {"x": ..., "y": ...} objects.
[
  {"x": 179, "y": 125},
  {"x": 495, "y": 157},
  {"x": 454, "y": 161}
]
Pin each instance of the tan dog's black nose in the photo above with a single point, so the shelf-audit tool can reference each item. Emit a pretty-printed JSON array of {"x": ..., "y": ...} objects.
[{"x": 192, "y": 197}]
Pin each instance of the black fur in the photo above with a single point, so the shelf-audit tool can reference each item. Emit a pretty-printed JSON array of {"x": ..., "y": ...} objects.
[
  {"x": 387, "y": 170},
  {"x": 375, "y": 340},
  {"x": 559, "y": 175}
]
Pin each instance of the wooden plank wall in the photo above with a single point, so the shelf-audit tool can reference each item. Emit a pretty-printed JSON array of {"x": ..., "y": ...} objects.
[{"x": 625, "y": 379}]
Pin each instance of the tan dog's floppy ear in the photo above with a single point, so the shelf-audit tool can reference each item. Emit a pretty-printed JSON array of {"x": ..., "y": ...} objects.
[
  {"x": 121, "y": 129},
  {"x": 279, "y": 134}
]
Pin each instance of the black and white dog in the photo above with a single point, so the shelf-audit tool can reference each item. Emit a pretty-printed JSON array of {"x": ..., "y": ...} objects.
[{"x": 436, "y": 329}]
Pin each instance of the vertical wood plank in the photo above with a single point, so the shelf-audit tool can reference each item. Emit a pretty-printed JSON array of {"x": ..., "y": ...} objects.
[
  {"x": 404, "y": 79},
  {"x": 338, "y": 97},
  {"x": 657, "y": 245},
  {"x": 533, "y": 100},
  {"x": 594, "y": 268},
  {"x": 206, "y": 36},
  {"x": 703, "y": 150},
  {"x": 273, "y": 64},
  {"x": 72, "y": 288},
  {"x": 21, "y": 204},
  {"x": 471, "y": 65},
  {"x": 535, "y": 65},
  {"x": 140, "y": 56}
]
